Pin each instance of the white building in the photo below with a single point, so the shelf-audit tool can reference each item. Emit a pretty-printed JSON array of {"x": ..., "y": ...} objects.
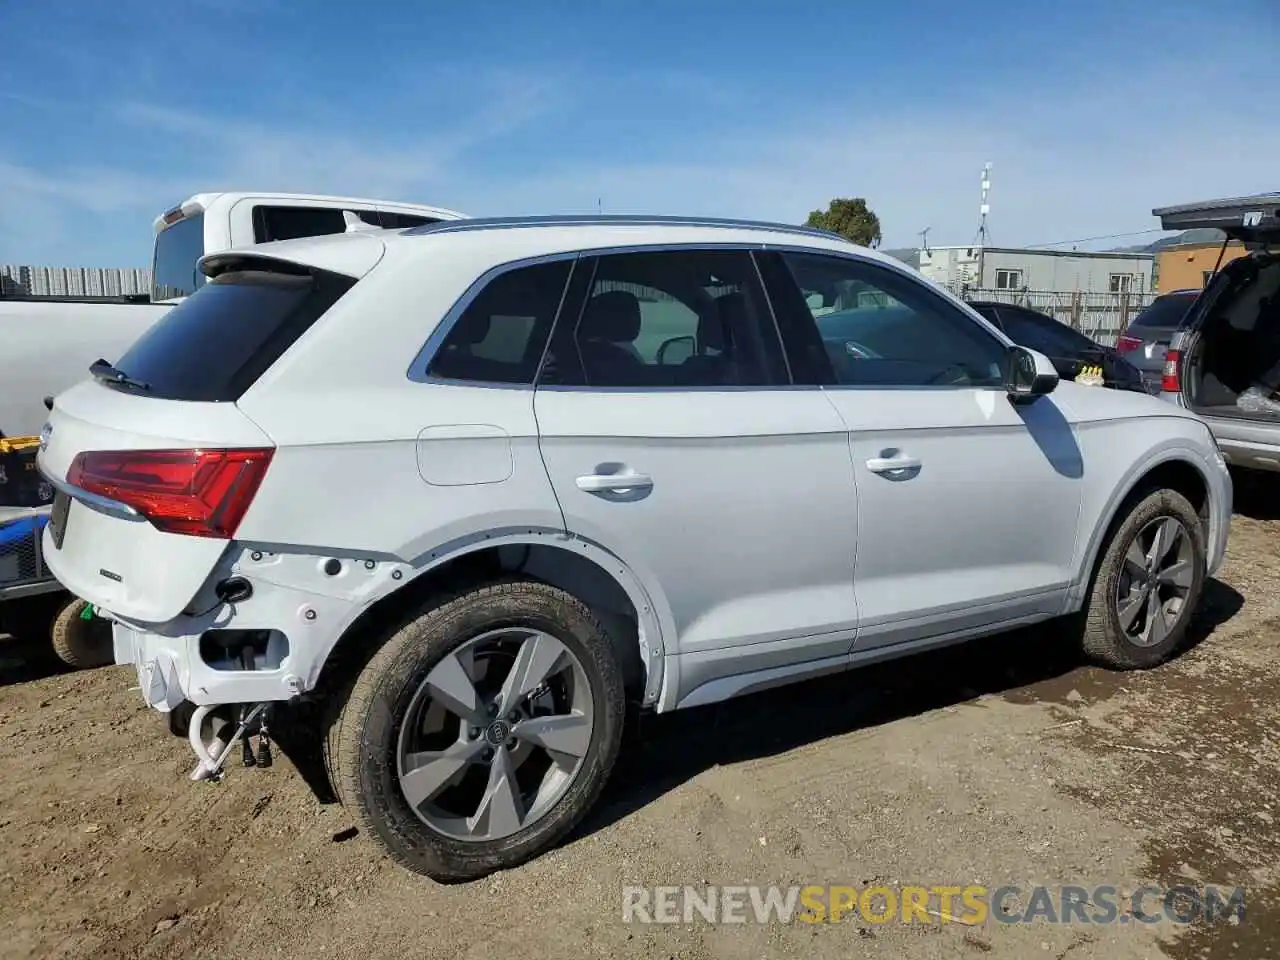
[
  {"x": 1059, "y": 271},
  {"x": 44, "y": 281}
]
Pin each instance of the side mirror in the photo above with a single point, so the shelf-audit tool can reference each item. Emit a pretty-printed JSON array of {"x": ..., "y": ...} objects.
[{"x": 1028, "y": 375}]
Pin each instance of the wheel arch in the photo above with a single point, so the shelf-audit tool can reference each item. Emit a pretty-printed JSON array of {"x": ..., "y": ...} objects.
[
  {"x": 1178, "y": 468},
  {"x": 588, "y": 571}
]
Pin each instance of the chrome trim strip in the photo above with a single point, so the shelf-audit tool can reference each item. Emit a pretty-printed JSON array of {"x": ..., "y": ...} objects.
[
  {"x": 611, "y": 220},
  {"x": 94, "y": 501}
]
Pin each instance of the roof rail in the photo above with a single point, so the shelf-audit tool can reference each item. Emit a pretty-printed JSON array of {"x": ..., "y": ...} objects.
[{"x": 606, "y": 220}]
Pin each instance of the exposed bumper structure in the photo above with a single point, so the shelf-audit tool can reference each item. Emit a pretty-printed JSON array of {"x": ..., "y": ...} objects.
[{"x": 170, "y": 670}]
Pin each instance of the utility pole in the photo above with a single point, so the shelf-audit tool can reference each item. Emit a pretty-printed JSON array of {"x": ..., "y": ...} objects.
[
  {"x": 924, "y": 239},
  {"x": 984, "y": 207}
]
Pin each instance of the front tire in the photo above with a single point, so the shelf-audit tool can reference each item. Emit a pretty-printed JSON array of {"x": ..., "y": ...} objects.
[
  {"x": 482, "y": 731},
  {"x": 1147, "y": 584}
]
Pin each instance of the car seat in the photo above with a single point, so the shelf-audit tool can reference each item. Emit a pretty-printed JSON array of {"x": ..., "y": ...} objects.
[{"x": 609, "y": 327}]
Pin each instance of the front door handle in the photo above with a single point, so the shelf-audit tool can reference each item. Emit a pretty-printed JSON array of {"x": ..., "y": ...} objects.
[
  {"x": 607, "y": 482},
  {"x": 893, "y": 464}
]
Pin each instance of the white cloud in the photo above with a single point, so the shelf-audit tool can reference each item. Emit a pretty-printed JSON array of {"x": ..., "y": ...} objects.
[{"x": 1090, "y": 162}]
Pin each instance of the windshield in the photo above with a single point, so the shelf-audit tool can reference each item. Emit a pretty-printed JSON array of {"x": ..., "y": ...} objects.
[
  {"x": 173, "y": 269},
  {"x": 1166, "y": 311}
]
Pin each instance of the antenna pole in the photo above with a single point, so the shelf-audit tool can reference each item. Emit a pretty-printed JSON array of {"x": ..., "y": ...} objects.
[{"x": 984, "y": 208}]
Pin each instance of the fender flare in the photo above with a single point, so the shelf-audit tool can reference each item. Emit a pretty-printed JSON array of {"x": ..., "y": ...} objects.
[
  {"x": 654, "y": 621},
  {"x": 1169, "y": 452}
]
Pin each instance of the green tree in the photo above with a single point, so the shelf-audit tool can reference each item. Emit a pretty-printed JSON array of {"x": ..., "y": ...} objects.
[{"x": 851, "y": 218}]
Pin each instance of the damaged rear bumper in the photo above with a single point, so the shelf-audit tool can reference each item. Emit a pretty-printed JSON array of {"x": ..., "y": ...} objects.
[{"x": 170, "y": 670}]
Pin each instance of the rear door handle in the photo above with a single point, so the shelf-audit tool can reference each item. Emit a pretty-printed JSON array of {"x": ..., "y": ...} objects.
[
  {"x": 893, "y": 464},
  {"x": 606, "y": 482}
]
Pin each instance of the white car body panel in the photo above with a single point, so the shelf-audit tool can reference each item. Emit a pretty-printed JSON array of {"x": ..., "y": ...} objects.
[
  {"x": 753, "y": 473},
  {"x": 764, "y": 550},
  {"x": 950, "y": 538}
]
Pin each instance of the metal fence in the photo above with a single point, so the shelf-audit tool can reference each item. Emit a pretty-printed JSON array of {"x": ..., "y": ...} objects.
[{"x": 1099, "y": 316}]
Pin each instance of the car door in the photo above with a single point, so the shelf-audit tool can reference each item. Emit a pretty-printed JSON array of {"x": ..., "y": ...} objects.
[
  {"x": 967, "y": 503},
  {"x": 673, "y": 439}
]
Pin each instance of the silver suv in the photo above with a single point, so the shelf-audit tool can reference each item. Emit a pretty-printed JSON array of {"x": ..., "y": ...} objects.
[
  {"x": 472, "y": 488},
  {"x": 1224, "y": 363}
]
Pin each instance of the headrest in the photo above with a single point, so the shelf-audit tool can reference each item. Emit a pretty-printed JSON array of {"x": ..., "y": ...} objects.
[
  {"x": 472, "y": 327},
  {"x": 612, "y": 316},
  {"x": 715, "y": 329}
]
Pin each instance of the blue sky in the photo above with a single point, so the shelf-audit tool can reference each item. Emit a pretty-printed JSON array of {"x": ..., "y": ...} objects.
[{"x": 1091, "y": 112}]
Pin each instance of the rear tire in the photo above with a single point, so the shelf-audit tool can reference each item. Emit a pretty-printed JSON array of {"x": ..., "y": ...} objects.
[
  {"x": 1145, "y": 590},
  {"x": 414, "y": 723},
  {"x": 81, "y": 643}
]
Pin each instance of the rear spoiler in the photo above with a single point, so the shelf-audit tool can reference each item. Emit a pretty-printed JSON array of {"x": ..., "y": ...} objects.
[{"x": 1253, "y": 219}]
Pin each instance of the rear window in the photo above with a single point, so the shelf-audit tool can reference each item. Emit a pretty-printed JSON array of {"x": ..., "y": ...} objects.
[
  {"x": 1165, "y": 311},
  {"x": 173, "y": 267},
  {"x": 292, "y": 223},
  {"x": 217, "y": 342}
]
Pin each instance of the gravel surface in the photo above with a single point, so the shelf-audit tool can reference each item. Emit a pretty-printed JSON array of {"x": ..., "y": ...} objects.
[{"x": 1003, "y": 762}]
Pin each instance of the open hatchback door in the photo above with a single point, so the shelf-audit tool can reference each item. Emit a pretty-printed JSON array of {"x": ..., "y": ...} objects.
[
  {"x": 1225, "y": 362},
  {"x": 1251, "y": 220}
]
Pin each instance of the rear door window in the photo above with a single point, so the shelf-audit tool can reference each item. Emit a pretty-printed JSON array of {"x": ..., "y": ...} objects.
[
  {"x": 669, "y": 319},
  {"x": 173, "y": 268},
  {"x": 217, "y": 342}
]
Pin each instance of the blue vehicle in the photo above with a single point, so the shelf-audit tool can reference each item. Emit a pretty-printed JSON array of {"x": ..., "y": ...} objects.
[{"x": 22, "y": 569}]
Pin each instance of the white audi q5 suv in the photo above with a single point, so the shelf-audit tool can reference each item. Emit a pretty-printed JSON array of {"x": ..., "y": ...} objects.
[{"x": 471, "y": 489}]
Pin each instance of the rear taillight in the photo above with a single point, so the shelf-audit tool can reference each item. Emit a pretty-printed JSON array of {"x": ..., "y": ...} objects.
[
  {"x": 1127, "y": 344},
  {"x": 200, "y": 493},
  {"x": 1171, "y": 379}
]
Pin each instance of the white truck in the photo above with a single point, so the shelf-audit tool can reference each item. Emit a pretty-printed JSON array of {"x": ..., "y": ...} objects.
[{"x": 49, "y": 343}]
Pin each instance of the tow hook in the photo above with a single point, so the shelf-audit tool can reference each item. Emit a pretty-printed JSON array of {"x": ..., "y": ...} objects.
[{"x": 213, "y": 756}]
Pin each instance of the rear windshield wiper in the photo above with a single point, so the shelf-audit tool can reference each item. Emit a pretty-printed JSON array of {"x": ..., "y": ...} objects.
[{"x": 105, "y": 370}]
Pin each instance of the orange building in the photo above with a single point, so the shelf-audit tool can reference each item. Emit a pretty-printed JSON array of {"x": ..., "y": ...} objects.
[{"x": 1189, "y": 266}]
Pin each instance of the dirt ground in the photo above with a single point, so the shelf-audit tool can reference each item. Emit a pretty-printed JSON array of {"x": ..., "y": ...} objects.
[{"x": 1003, "y": 762}]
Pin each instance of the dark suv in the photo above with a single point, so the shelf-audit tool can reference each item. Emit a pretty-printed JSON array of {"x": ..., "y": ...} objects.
[{"x": 1070, "y": 350}]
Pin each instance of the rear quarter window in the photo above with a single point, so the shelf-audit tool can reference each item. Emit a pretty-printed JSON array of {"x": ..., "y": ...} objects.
[
  {"x": 501, "y": 335},
  {"x": 217, "y": 342}
]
